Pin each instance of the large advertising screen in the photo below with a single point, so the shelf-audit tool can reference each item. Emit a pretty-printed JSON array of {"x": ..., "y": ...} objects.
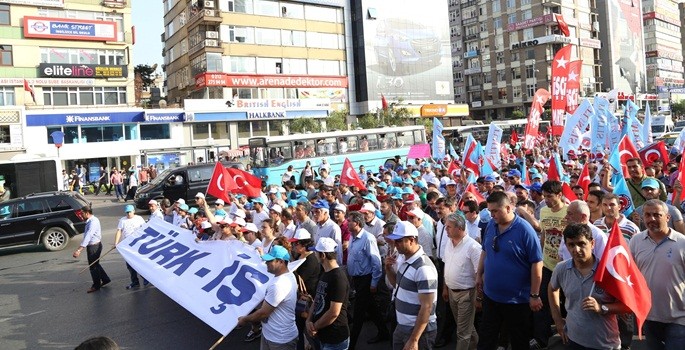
[
  {"x": 407, "y": 49},
  {"x": 627, "y": 52}
]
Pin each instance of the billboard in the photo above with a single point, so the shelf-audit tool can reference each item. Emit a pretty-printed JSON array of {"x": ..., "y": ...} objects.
[
  {"x": 52, "y": 70},
  {"x": 407, "y": 50},
  {"x": 203, "y": 80},
  {"x": 623, "y": 58},
  {"x": 46, "y": 3},
  {"x": 69, "y": 29}
]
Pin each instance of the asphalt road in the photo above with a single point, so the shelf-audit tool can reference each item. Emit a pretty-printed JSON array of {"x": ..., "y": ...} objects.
[{"x": 44, "y": 305}]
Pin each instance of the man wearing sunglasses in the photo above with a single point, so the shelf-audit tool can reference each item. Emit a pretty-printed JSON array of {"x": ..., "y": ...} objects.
[{"x": 509, "y": 275}]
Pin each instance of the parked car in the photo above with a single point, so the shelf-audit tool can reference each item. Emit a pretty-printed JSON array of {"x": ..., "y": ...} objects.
[
  {"x": 182, "y": 182},
  {"x": 47, "y": 218}
]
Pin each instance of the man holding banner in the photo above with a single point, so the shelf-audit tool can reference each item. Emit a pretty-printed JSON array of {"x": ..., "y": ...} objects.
[{"x": 277, "y": 312}]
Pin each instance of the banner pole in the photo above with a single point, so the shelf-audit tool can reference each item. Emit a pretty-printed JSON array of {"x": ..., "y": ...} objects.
[
  {"x": 217, "y": 342},
  {"x": 93, "y": 263}
]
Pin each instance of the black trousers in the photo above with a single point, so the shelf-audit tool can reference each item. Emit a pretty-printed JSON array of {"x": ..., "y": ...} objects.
[
  {"x": 97, "y": 273},
  {"x": 446, "y": 326},
  {"x": 542, "y": 320},
  {"x": 516, "y": 317},
  {"x": 364, "y": 302}
]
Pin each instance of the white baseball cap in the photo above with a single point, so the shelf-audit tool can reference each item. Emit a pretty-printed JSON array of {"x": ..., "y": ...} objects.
[
  {"x": 325, "y": 245},
  {"x": 181, "y": 201},
  {"x": 239, "y": 213},
  {"x": 417, "y": 212},
  {"x": 238, "y": 222},
  {"x": 219, "y": 202},
  {"x": 153, "y": 202},
  {"x": 403, "y": 229},
  {"x": 250, "y": 227},
  {"x": 368, "y": 207},
  {"x": 300, "y": 234},
  {"x": 206, "y": 224},
  {"x": 200, "y": 195},
  {"x": 277, "y": 208},
  {"x": 340, "y": 207}
]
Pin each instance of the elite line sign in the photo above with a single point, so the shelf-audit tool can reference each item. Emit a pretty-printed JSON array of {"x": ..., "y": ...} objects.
[{"x": 50, "y": 70}]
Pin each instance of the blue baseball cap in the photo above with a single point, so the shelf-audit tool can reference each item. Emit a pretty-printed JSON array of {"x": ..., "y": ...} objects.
[
  {"x": 489, "y": 178},
  {"x": 184, "y": 207},
  {"x": 382, "y": 185},
  {"x": 422, "y": 184},
  {"x": 415, "y": 173},
  {"x": 513, "y": 173},
  {"x": 127, "y": 209},
  {"x": 408, "y": 181},
  {"x": 397, "y": 197},
  {"x": 407, "y": 190},
  {"x": 259, "y": 200},
  {"x": 192, "y": 210},
  {"x": 277, "y": 252},
  {"x": 396, "y": 179},
  {"x": 536, "y": 187},
  {"x": 651, "y": 183},
  {"x": 320, "y": 204}
]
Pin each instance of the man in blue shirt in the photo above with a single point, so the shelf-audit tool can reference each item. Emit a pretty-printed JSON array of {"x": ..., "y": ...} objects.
[
  {"x": 364, "y": 268},
  {"x": 91, "y": 242},
  {"x": 509, "y": 275}
]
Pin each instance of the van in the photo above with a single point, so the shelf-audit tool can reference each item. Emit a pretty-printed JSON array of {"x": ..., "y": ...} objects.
[
  {"x": 182, "y": 182},
  {"x": 661, "y": 124}
]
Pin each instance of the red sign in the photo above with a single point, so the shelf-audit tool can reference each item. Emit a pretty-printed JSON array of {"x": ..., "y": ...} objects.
[
  {"x": 256, "y": 80},
  {"x": 534, "y": 118},
  {"x": 560, "y": 69},
  {"x": 573, "y": 86}
]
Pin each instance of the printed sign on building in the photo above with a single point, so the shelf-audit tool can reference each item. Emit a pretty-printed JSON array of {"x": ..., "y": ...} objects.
[{"x": 69, "y": 29}]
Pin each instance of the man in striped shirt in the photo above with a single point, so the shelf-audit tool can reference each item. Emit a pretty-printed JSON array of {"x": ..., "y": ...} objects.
[
  {"x": 611, "y": 207},
  {"x": 415, "y": 294}
]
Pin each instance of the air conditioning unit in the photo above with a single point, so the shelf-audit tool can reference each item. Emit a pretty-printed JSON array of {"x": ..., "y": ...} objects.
[
  {"x": 211, "y": 42},
  {"x": 212, "y": 35},
  {"x": 209, "y": 12},
  {"x": 209, "y": 3}
]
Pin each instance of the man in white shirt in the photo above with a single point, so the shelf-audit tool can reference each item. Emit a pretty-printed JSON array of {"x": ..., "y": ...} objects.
[
  {"x": 470, "y": 210},
  {"x": 277, "y": 312},
  {"x": 578, "y": 212},
  {"x": 126, "y": 227},
  {"x": 462, "y": 255}
]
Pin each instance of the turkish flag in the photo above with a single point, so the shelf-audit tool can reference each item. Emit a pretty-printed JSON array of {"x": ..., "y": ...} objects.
[
  {"x": 221, "y": 183},
  {"x": 654, "y": 152},
  {"x": 384, "y": 102},
  {"x": 619, "y": 276},
  {"x": 626, "y": 151},
  {"x": 532, "y": 131},
  {"x": 350, "y": 177},
  {"x": 568, "y": 192},
  {"x": 479, "y": 197},
  {"x": 245, "y": 183},
  {"x": 563, "y": 27},
  {"x": 584, "y": 180},
  {"x": 468, "y": 158},
  {"x": 560, "y": 68},
  {"x": 514, "y": 138},
  {"x": 453, "y": 169},
  {"x": 29, "y": 89},
  {"x": 553, "y": 173}
]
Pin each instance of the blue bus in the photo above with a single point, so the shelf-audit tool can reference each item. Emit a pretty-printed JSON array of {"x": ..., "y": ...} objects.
[{"x": 271, "y": 156}]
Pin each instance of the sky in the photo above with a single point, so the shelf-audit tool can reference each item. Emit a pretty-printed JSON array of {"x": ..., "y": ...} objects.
[{"x": 148, "y": 19}]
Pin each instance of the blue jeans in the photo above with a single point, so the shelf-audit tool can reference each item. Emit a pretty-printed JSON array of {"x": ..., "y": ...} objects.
[
  {"x": 119, "y": 190},
  {"x": 343, "y": 345},
  {"x": 667, "y": 336}
]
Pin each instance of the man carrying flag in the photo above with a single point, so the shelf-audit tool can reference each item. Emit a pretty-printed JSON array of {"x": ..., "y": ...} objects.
[
  {"x": 591, "y": 321},
  {"x": 659, "y": 254}
]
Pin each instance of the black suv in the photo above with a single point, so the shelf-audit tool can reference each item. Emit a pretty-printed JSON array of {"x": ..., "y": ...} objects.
[{"x": 47, "y": 218}]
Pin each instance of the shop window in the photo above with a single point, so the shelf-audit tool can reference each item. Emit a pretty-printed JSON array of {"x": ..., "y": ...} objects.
[
  {"x": 244, "y": 129},
  {"x": 4, "y": 134},
  {"x": 155, "y": 132},
  {"x": 200, "y": 131},
  {"x": 260, "y": 128},
  {"x": 74, "y": 96},
  {"x": 101, "y": 133},
  {"x": 130, "y": 131}
]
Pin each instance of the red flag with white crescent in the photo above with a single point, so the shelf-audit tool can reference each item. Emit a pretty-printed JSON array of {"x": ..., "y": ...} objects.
[
  {"x": 573, "y": 86},
  {"x": 350, "y": 177},
  {"x": 563, "y": 26},
  {"x": 246, "y": 183},
  {"x": 453, "y": 168},
  {"x": 619, "y": 275},
  {"x": 534, "y": 117},
  {"x": 626, "y": 151},
  {"x": 568, "y": 192},
  {"x": 221, "y": 183},
  {"x": 553, "y": 173},
  {"x": 654, "y": 152},
  {"x": 584, "y": 180},
  {"x": 560, "y": 68},
  {"x": 479, "y": 197}
]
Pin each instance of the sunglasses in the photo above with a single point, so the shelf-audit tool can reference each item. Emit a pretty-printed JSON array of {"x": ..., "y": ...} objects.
[
  {"x": 223, "y": 226},
  {"x": 495, "y": 245}
]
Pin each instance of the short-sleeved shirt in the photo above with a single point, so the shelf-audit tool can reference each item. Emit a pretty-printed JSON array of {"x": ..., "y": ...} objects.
[
  {"x": 586, "y": 328},
  {"x": 627, "y": 227},
  {"x": 663, "y": 266},
  {"x": 333, "y": 286},
  {"x": 282, "y": 295},
  {"x": 552, "y": 224},
  {"x": 128, "y": 226},
  {"x": 676, "y": 216},
  {"x": 507, "y": 271},
  {"x": 417, "y": 275},
  {"x": 331, "y": 230}
]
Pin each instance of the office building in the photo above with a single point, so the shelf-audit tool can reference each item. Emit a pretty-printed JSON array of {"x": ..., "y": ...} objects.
[
  {"x": 663, "y": 45},
  {"x": 502, "y": 50}
]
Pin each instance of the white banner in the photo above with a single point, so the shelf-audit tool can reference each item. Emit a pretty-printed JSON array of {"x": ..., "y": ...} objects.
[
  {"x": 492, "y": 147},
  {"x": 572, "y": 136},
  {"x": 217, "y": 281}
]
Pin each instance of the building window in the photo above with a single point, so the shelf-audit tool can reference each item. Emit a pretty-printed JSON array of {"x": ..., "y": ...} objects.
[
  {"x": 501, "y": 76},
  {"x": 4, "y": 14},
  {"x": 7, "y": 96},
  {"x": 502, "y": 93},
  {"x": 530, "y": 90},
  {"x": 516, "y": 91},
  {"x": 6, "y": 55},
  {"x": 84, "y": 96},
  {"x": 497, "y": 23},
  {"x": 516, "y": 73},
  {"x": 511, "y": 4},
  {"x": 496, "y": 6},
  {"x": 530, "y": 72},
  {"x": 530, "y": 54}
]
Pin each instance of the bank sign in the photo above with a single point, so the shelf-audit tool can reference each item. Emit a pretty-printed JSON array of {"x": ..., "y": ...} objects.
[
  {"x": 50, "y": 70},
  {"x": 69, "y": 29},
  {"x": 103, "y": 118}
]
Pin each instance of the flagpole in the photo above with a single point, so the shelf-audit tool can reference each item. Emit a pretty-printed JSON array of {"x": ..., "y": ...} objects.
[{"x": 592, "y": 290}]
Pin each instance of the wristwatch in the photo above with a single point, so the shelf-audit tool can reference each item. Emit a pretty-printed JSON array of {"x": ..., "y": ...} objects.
[
  {"x": 535, "y": 296},
  {"x": 603, "y": 309}
]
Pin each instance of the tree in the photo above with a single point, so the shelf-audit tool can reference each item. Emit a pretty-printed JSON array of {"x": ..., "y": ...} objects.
[
  {"x": 303, "y": 125},
  {"x": 337, "y": 120},
  {"x": 147, "y": 73},
  {"x": 678, "y": 108},
  {"x": 517, "y": 114},
  {"x": 368, "y": 121}
]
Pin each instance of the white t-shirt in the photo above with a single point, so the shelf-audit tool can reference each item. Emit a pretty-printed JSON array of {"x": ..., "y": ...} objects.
[
  {"x": 280, "y": 327},
  {"x": 128, "y": 226}
]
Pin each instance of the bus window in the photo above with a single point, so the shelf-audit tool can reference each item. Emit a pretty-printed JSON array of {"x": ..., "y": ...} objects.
[
  {"x": 327, "y": 147},
  {"x": 259, "y": 156},
  {"x": 372, "y": 141},
  {"x": 280, "y": 152},
  {"x": 352, "y": 144},
  {"x": 405, "y": 139},
  {"x": 342, "y": 145},
  {"x": 388, "y": 140},
  {"x": 309, "y": 149}
]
